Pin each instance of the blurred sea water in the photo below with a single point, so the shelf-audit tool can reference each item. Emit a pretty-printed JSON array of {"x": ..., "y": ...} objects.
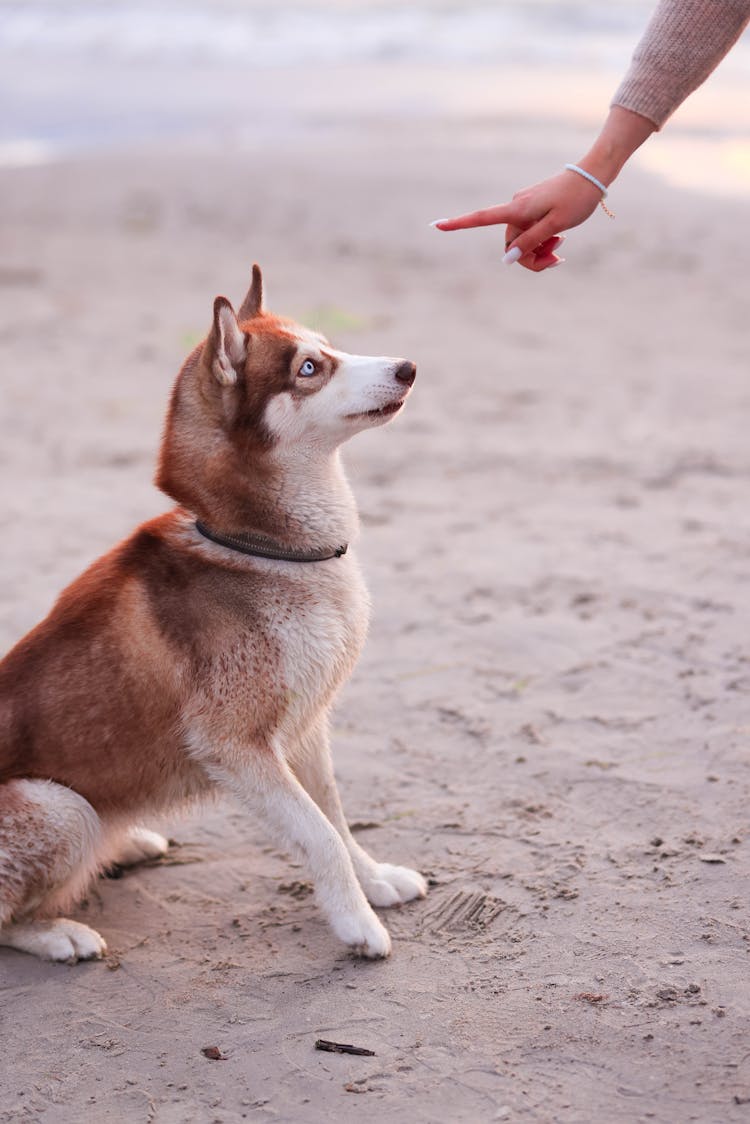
[
  {"x": 321, "y": 31},
  {"x": 77, "y": 75}
]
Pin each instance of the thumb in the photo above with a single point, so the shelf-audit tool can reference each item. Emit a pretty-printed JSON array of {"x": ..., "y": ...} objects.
[{"x": 528, "y": 240}]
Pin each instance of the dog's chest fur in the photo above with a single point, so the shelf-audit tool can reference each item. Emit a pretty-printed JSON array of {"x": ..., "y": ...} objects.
[
  {"x": 320, "y": 632},
  {"x": 283, "y": 639}
]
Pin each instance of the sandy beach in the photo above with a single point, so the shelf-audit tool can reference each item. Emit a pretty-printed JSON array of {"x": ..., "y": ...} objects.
[{"x": 550, "y": 719}]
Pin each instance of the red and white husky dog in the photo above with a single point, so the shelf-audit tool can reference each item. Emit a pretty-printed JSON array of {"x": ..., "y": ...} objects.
[{"x": 204, "y": 652}]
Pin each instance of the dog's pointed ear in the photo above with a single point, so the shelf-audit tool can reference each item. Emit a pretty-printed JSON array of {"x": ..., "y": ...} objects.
[
  {"x": 253, "y": 302},
  {"x": 226, "y": 346}
]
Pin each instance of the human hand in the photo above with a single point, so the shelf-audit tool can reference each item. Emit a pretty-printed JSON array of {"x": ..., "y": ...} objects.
[{"x": 536, "y": 217}]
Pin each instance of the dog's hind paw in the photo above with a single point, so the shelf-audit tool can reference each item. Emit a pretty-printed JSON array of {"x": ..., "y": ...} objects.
[
  {"x": 392, "y": 885},
  {"x": 364, "y": 934},
  {"x": 61, "y": 940}
]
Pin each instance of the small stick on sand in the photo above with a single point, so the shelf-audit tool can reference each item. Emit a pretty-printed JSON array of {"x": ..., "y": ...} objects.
[{"x": 342, "y": 1048}]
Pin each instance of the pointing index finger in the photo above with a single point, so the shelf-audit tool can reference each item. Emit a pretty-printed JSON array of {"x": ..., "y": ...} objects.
[{"x": 490, "y": 216}]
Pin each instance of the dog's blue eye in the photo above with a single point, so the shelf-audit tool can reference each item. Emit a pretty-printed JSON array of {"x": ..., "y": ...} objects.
[{"x": 307, "y": 368}]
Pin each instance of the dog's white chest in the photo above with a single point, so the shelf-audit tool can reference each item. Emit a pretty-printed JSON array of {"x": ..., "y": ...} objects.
[{"x": 320, "y": 637}]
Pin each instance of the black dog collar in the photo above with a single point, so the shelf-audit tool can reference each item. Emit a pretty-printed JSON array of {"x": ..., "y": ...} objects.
[{"x": 262, "y": 547}]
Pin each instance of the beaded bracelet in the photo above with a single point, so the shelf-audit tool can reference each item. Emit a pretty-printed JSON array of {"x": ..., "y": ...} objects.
[{"x": 597, "y": 183}]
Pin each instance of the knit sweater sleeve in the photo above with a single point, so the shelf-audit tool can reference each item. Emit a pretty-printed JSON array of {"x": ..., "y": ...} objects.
[{"x": 684, "y": 41}]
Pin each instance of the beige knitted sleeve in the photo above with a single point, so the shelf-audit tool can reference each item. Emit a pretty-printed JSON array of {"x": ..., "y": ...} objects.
[{"x": 684, "y": 41}]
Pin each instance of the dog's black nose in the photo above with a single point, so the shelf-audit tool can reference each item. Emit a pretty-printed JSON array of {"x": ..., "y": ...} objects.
[{"x": 406, "y": 372}]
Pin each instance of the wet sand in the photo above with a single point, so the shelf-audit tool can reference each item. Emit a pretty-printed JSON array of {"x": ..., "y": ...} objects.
[{"x": 550, "y": 718}]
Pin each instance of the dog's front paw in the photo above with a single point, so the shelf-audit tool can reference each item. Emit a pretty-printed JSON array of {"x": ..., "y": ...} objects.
[
  {"x": 140, "y": 845},
  {"x": 84, "y": 942},
  {"x": 388, "y": 885},
  {"x": 61, "y": 940},
  {"x": 364, "y": 934}
]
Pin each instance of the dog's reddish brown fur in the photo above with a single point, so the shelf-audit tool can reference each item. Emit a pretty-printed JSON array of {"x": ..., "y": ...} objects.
[{"x": 128, "y": 626}]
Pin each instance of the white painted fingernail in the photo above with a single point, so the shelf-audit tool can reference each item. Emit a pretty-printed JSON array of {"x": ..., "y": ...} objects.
[
  {"x": 436, "y": 221},
  {"x": 512, "y": 256}
]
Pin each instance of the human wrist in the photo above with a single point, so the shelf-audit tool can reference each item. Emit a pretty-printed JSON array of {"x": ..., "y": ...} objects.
[
  {"x": 624, "y": 131},
  {"x": 595, "y": 182},
  {"x": 605, "y": 159},
  {"x": 605, "y": 166}
]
